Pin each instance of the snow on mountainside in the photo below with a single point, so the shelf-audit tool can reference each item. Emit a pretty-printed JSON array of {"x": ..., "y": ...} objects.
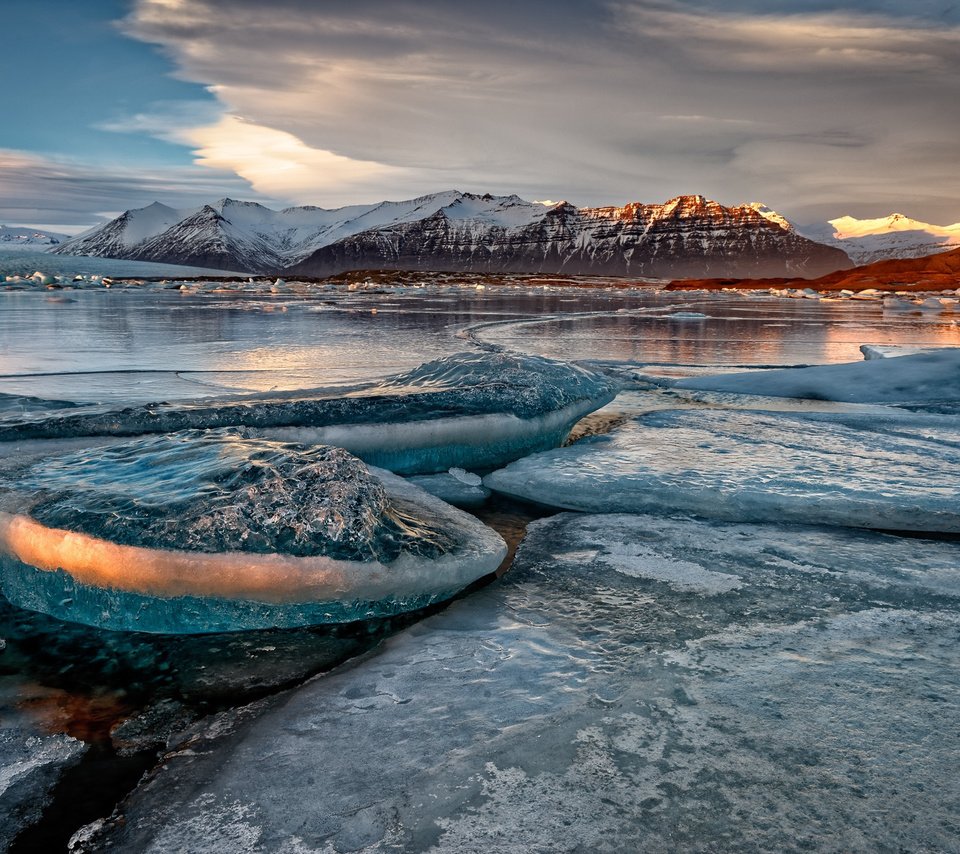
[
  {"x": 451, "y": 230},
  {"x": 683, "y": 237},
  {"x": 15, "y": 237},
  {"x": 894, "y": 236},
  {"x": 119, "y": 237}
]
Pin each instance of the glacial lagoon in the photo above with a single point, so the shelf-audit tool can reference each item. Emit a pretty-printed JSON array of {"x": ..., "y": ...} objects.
[{"x": 673, "y": 676}]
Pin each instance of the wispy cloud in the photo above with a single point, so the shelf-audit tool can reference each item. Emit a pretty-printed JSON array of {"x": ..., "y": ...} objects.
[
  {"x": 60, "y": 192},
  {"x": 588, "y": 100},
  {"x": 814, "y": 106}
]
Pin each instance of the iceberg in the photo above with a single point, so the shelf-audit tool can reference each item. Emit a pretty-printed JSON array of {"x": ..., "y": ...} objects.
[
  {"x": 924, "y": 378},
  {"x": 471, "y": 410},
  {"x": 199, "y": 532},
  {"x": 633, "y": 683},
  {"x": 899, "y": 473}
]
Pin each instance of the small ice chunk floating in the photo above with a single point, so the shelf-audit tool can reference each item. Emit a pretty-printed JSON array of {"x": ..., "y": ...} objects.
[
  {"x": 198, "y": 532},
  {"x": 469, "y": 410}
]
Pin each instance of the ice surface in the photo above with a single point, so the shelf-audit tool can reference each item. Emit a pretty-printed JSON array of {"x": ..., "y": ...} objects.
[
  {"x": 22, "y": 262},
  {"x": 31, "y": 764},
  {"x": 923, "y": 378},
  {"x": 890, "y": 351},
  {"x": 215, "y": 532},
  {"x": 898, "y": 473},
  {"x": 457, "y": 487},
  {"x": 573, "y": 707},
  {"x": 473, "y": 410}
]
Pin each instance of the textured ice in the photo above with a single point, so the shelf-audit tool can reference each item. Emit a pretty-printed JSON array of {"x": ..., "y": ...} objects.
[
  {"x": 31, "y": 764},
  {"x": 473, "y": 410},
  {"x": 899, "y": 473},
  {"x": 922, "y": 378},
  {"x": 216, "y": 531},
  {"x": 574, "y": 707}
]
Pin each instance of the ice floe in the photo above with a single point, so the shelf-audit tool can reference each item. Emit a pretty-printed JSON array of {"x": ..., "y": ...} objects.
[
  {"x": 890, "y": 351},
  {"x": 573, "y": 707},
  {"x": 471, "y": 410},
  {"x": 922, "y": 378},
  {"x": 899, "y": 473},
  {"x": 202, "y": 532},
  {"x": 456, "y": 486}
]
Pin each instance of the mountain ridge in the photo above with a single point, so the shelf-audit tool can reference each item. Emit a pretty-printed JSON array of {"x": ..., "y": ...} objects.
[{"x": 457, "y": 231}]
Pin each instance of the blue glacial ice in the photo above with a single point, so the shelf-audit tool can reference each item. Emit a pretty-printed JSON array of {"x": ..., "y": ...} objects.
[
  {"x": 199, "y": 532},
  {"x": 901, "y": 472},
  {"x": 634, "y": 683},
  {"x": 471, "y": 410}
]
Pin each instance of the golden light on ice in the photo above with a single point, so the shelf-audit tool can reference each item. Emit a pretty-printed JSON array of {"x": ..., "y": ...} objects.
[{"x": 92, "y": 561}]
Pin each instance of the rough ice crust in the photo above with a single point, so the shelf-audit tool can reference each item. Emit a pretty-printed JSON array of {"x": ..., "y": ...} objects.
[
  {"x": 851, "y": 470},
  {"x": 198, "y": 533},
  {"x": 924, "y": 378},
  {"x": 581, "y": 704},
  {"x": 221, "y": 491},
  {"x": 31, "y": 764},
  {"x": 472, "y": 410}
]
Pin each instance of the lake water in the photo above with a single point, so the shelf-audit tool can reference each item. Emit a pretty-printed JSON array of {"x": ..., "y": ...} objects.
[{"x": 147, "y": 344}]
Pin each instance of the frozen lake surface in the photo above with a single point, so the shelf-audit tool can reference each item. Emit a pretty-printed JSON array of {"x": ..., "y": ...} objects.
[
  {"x": 641, "y": 681},
  {"x": 150, "y": 343}
]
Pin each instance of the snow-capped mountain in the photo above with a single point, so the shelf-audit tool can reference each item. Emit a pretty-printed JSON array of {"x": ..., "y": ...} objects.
[
  {"x": 894, "y": 236},
  {"x": 683, "y": 237},
  {"x": 688, "y": 235},
  {"x": 15, "y": 237}
]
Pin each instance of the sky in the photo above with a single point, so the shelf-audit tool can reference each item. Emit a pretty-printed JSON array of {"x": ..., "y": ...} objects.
[{"x": 818, "y": 108}]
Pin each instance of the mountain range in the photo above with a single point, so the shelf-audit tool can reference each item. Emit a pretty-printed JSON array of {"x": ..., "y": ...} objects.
[{"x": 455, "y": 231}]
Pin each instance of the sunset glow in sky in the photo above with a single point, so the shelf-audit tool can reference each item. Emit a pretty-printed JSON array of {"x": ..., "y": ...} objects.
[{"x": 819, "y": 108}]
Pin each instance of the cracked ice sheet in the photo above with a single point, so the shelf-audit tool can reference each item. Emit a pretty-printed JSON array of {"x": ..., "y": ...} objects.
[
  {"x": 896, "y": 473},
  {"x": 572, "y": 706}
]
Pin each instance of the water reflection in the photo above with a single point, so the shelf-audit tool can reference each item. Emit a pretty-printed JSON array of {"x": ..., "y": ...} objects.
[
  {"x": 736, "y": 331},
  {"x": 149, "y": 345}
]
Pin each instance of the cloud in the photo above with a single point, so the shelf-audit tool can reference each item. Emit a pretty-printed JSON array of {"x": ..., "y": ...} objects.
[
  {"x": 815, "y": 106},
  {"x": 811, "y": 106},
  {"x": 35, "y": 189}
]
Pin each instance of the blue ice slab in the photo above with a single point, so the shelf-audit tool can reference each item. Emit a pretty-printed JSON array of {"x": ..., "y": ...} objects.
[
  {"x": 471, "y": 410},
  {"x": 218, "y": 531},
  {"x": 899, "y": 473}
]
